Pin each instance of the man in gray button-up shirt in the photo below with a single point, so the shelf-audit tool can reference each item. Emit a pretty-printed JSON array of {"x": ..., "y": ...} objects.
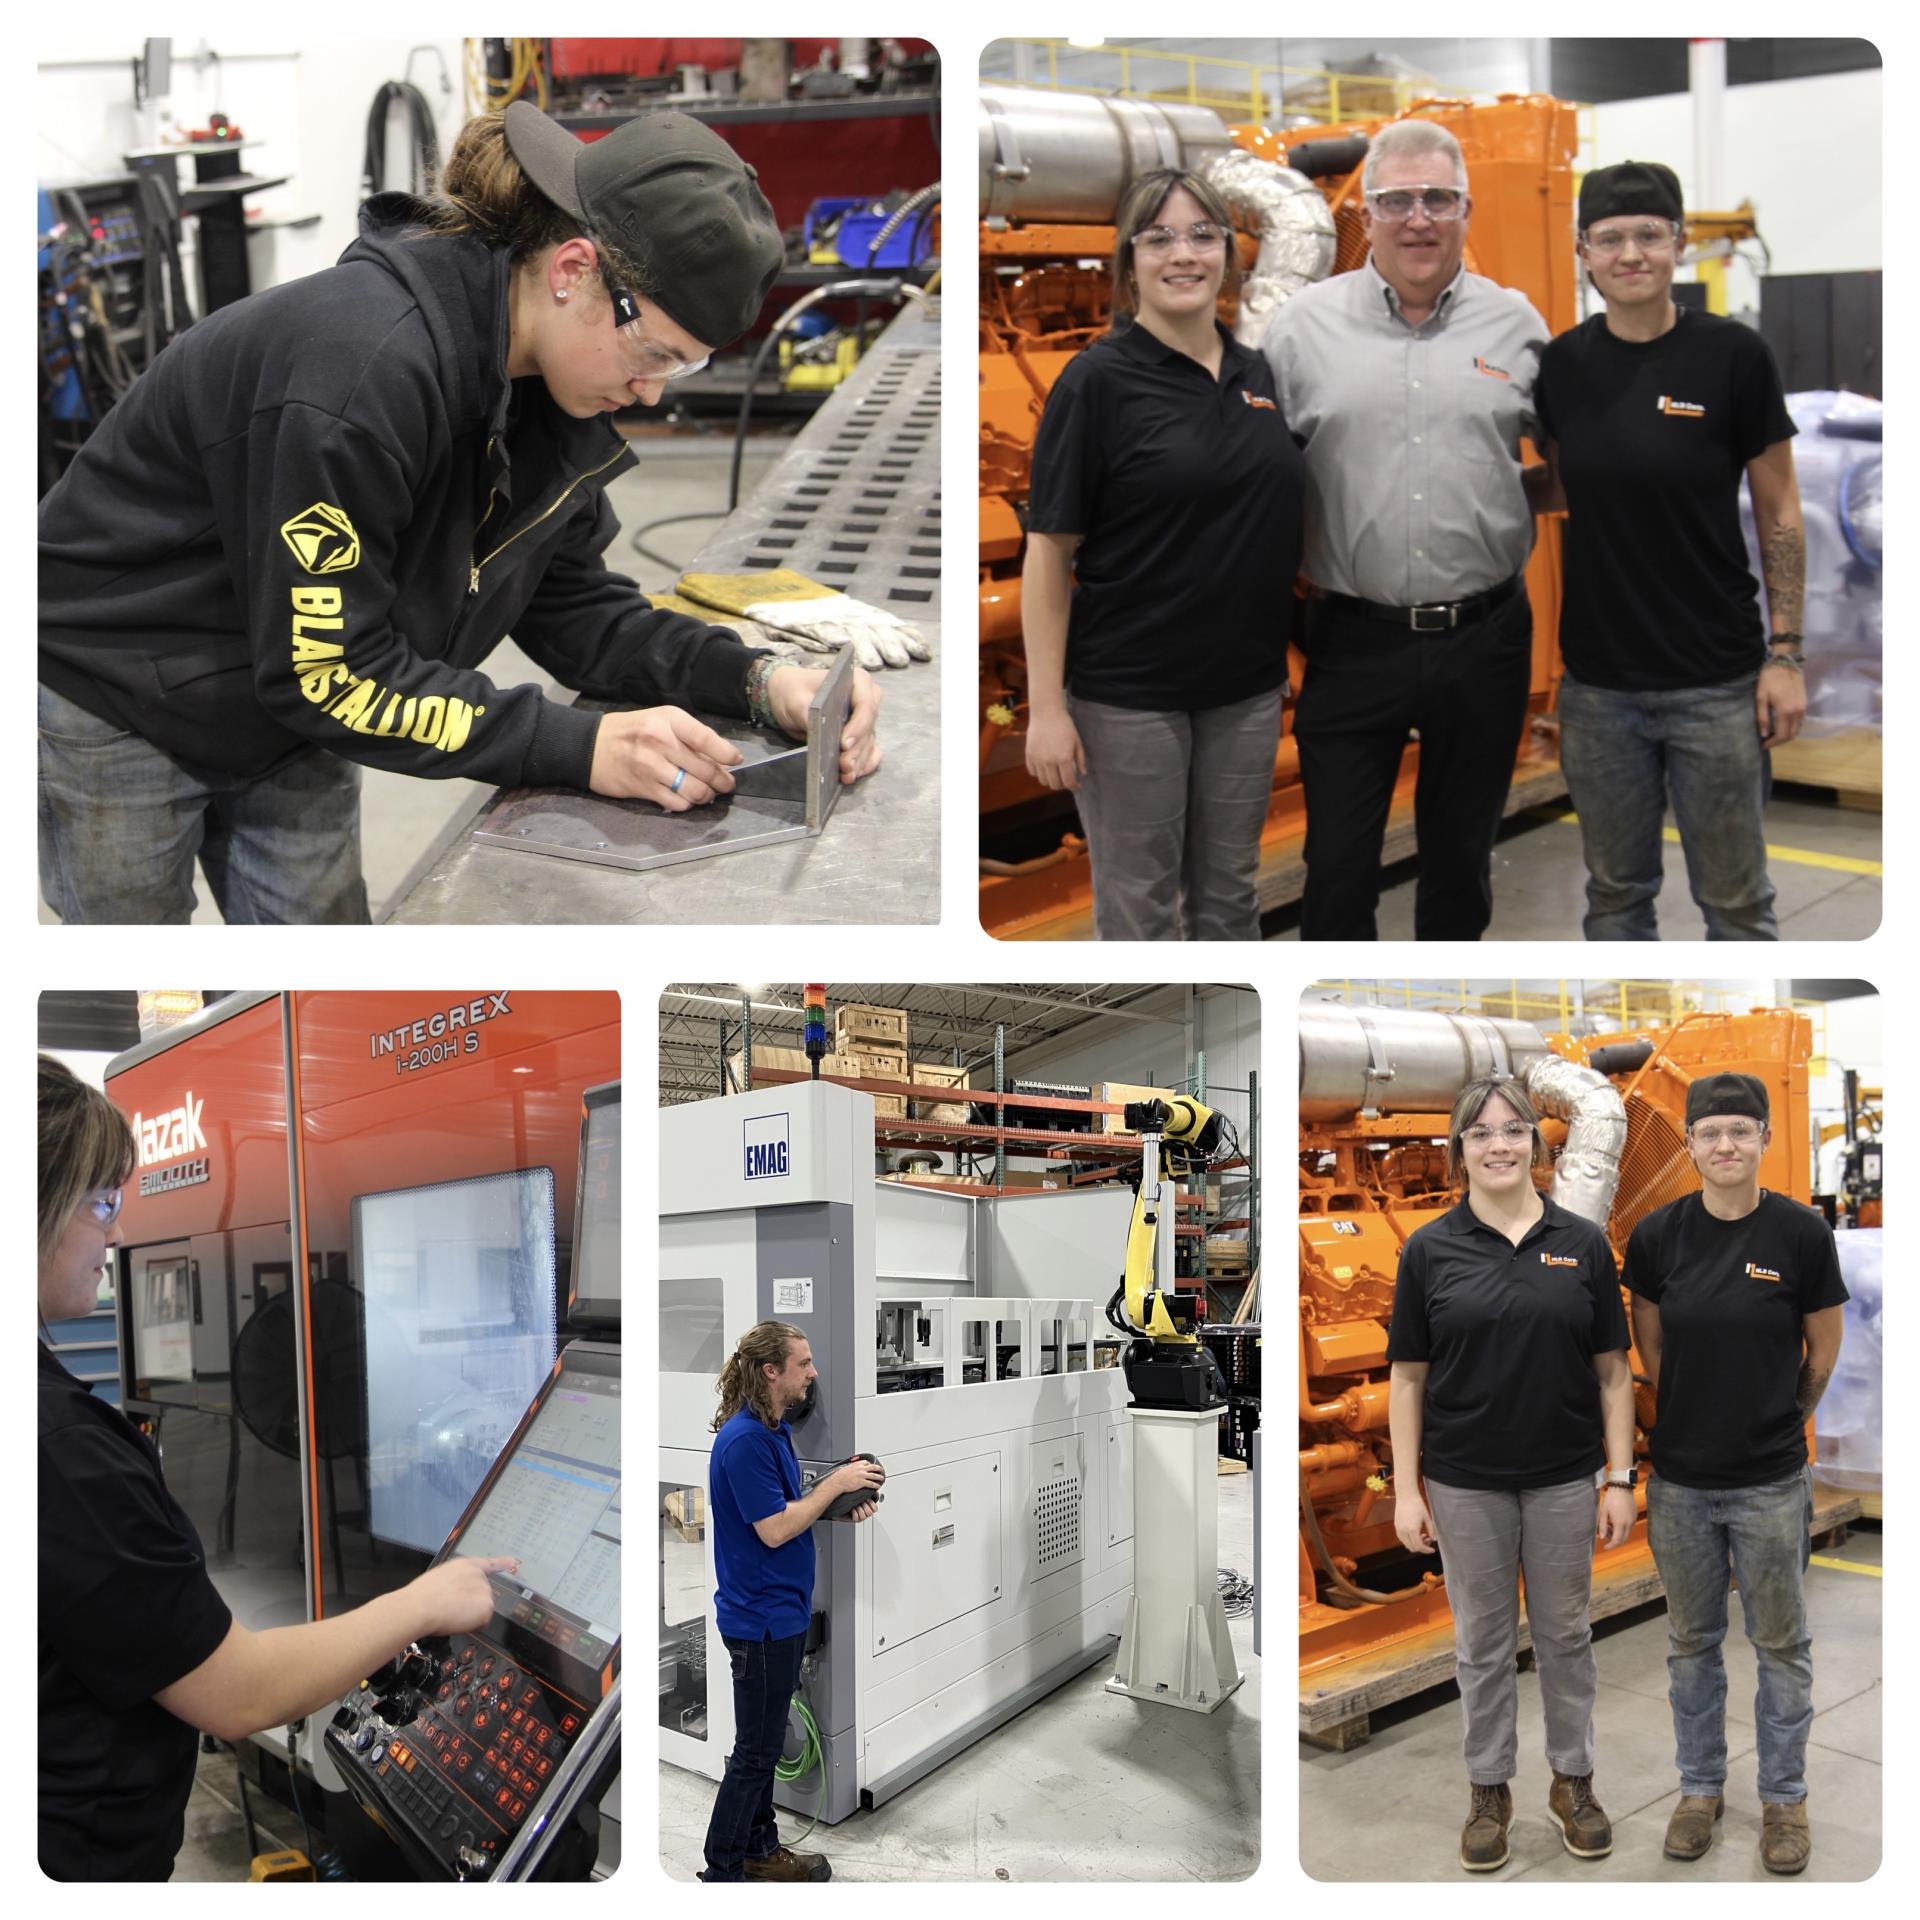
[{"x": 1410, "y": 383}]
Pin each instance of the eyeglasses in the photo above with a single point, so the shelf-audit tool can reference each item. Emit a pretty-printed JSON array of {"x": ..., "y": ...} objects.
[
  {"x": 1743, "y": 1133},
  {"x": 1512, "y": 1132},
  {"x": 646, "y": 360},
  {"x": 1202, "y": 237},
  {"x": 105, "y": 1207},
  {"x": 1394, "y": 204},
  {"x": 1651, "y": 238}
]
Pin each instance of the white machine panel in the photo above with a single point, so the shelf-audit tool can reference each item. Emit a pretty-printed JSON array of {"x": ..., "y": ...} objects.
[
  {"x": 774, "y": 1147},
  {"x": 1059, "y": 1522},
  {"x": 1119, "y": 1505},
  {"x": 936, "y": 1547}
]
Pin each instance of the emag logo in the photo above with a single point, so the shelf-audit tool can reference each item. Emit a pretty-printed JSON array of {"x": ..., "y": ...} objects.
[{"x": 766, "y": 1147}]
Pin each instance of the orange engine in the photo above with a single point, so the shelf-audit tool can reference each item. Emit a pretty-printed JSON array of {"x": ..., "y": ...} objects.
[
  {"x": 1044, "y": 295},
  {"x": 1366, "y": 1182}
]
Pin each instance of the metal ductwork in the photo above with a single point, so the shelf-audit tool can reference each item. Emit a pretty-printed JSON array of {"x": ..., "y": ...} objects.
[
  {"x": 1295, "y": 225},
  {"x": 1071, "y": 157},
  {"x": 1394, "y": 1060}
]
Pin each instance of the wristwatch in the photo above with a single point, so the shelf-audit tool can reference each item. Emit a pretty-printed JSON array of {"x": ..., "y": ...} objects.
[{"x": 1627, "y": 1480}]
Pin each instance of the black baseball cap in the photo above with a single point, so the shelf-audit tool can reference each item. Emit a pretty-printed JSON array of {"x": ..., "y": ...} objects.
[
  {"x": 1733, "y": 1095},
  {"x": 675, "y": 199},
  {"x": 1633, "y": 186}
]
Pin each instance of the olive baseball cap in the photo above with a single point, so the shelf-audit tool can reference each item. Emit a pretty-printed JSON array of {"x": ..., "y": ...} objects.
[
  {"x": 1633, "y": 186},
  {"x": 675, "y": 199},
  {"x": 1734, "y": 1095}
]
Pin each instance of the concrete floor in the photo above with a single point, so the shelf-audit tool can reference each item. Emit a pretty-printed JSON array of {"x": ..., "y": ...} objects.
[
  {"x": 215, "y": 1846},
  {"x": 1410, "y": 1781},
  {"x": 1083, "y": 1786},
  {"x": 1539, "y": 880},
  {"x": 401, "y": 817}
]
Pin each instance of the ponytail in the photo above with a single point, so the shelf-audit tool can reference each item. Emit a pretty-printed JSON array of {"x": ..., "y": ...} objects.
[{"x": 742, "y": 1384}]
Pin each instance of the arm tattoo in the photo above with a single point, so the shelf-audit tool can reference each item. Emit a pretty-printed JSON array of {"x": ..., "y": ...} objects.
[
  {"x": 1783, "y": 565},
  {"x": 1810, "y": 1387}
]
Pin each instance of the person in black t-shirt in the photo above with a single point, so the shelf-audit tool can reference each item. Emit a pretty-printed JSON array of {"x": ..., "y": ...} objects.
[
  {"x": 1736, "y": 1316},
  {"x": 1510, "y": 1390},
  {"x": 1675, "y": 687},
  {"x": 1163, "y": 537},
  {"x": 137, "y": 1650}
]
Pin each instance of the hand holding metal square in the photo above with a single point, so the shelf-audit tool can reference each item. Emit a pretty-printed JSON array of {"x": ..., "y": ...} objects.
[{"x": 780, "y": 793}]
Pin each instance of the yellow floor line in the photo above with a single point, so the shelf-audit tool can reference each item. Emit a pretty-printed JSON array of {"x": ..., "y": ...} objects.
[
  {"x": 1845, "y": 1566},
  {"x": 1790, "y": 856}
]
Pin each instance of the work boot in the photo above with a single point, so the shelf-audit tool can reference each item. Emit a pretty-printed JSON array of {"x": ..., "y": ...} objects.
[
  {"x": 784, "y": 1864},
  {"x": 1690, "y": 1830},
  {"x": 1584, "y": 1827},
  {"x": 1483, "y": 1840},
  {"x": 1786, "y": 1841}
]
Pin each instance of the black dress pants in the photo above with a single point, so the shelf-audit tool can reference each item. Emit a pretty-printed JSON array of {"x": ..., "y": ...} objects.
[{"x": 1368, "y": 685}]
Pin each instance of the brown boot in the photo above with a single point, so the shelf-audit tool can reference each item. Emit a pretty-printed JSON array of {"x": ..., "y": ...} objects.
[
  {"x": 784, "y": 1864},
  {"x": 1483, "y": 1840},
  {"x": 1786, "y": 1841},
  {"x": 1690, "y": 1829},
  {"x": 1584, "y": 1827}
]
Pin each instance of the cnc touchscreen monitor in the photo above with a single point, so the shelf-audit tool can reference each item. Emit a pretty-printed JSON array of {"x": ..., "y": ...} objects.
[
  {"x": 596, "y": 1224},
  {"x": 459, "y": 1282},
  {"x": 554, "y": 1505}
]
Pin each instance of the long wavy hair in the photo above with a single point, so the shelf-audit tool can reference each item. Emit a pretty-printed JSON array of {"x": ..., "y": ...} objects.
[
  {"x": 86, "y": 1147},
  {"x": 484, "y": 191},
  {"x": 742, "y": 1384}
]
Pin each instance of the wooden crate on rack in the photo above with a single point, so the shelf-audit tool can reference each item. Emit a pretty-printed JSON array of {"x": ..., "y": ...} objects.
[
  {"x": 868, "y": 1065},
  {"x": 1121, "y": 1091},
  {"x": 948, "y": 1112},
  {"x": 856, "y": 1027}
]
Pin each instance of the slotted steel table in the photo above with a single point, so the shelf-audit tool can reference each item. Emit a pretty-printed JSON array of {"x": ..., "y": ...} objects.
[{"x": 855, "y": 504}]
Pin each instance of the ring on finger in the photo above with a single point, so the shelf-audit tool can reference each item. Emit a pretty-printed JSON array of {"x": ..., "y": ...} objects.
[{"x": 679, "y": 780}]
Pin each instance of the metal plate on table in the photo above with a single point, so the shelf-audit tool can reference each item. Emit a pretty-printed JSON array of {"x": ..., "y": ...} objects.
[{"x": 780, "y": 793}]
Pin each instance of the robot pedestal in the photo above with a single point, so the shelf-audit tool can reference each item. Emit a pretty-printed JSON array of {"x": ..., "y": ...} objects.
[{"x": 1174, "y": 1648}]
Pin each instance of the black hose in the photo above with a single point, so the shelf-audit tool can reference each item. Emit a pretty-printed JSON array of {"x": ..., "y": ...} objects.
[
  {"x": 1622, "y": 1056},
  {"x": 424, "y": 161}
]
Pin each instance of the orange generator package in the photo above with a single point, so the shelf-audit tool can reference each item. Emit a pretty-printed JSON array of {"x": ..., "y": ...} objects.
[
  {"x": 368, "y": 1308},
  {"x": 1376, "y": 1088}
]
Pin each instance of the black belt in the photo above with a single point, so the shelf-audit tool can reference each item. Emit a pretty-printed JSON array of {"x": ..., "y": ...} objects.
[{"x": 1436, "y": 616}]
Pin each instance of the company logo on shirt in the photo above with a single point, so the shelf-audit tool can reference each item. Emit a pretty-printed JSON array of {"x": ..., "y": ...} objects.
[
  {"x": 1681, "y": 409},
  {"x": 765, "y": 1144},
  {"x": 319, "y": 664},
  {"x": 1557, "y": 1260},
  {"x": 1258, "y": 400},
  {"x": 322, "y": 539},
  {"x": 1762, "y": 1273},
  {"x": 1489, "y": 369}
]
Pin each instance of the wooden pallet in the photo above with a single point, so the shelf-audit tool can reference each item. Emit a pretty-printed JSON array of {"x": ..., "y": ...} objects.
[
  {"x": 1847, "y": 765},
  {"x": 1335, "y": 1709}
]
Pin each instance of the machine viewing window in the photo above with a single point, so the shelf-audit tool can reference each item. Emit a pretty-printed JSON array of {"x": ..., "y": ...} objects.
[
  {"x": 555, "y": 1506},
  {"x": 459, "y": 1285},
  {"x": 684, "y": 1593},
  {"x": 596, "y": 1235},
  {"x": 163, "y": 1323}
]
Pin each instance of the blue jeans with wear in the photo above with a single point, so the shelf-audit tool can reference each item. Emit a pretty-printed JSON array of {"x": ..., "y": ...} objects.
[
  {"x": 121, "y": 823},
  {"x": 1625, "y": 756},
  {"x": 765, "y": 1674},
  {"x": 1763, "y": 1534}
]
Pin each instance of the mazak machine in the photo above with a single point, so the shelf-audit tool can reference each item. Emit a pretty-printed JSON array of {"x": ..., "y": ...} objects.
[
  {"x": 341, "y": 1296},
  {"x": 960, "y": 1340}
]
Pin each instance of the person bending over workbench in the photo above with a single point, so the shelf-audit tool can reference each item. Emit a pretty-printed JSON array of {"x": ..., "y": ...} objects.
[
  {"x": 763, "y": 1586},
  {"x": 138, "y": 1653},
  {"x": 289, "y": 546}
]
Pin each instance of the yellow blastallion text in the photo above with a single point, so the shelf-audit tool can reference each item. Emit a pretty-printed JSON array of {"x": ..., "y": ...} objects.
[{"x": 364, "y": 705}]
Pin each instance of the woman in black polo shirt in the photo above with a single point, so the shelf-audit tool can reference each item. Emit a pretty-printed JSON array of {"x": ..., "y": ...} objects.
[
  {"x": 137, "y": 1650},
  {"x": 1163, "y": 536},
  {"x": 1510, "y": 1390}
]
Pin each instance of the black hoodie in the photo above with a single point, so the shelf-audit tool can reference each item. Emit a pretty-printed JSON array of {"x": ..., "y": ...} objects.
[{"x": 322, "y": 507}]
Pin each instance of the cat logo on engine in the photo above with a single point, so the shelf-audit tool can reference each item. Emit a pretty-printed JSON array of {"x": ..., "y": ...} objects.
[{"x": 322, "y": 539}]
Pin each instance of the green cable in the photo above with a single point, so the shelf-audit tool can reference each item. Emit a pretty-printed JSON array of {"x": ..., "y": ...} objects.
[{"x": 809, "y": 1759}]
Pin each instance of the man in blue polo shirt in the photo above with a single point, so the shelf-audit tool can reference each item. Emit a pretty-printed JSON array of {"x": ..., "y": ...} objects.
[{"x": 763, "y": 1586}]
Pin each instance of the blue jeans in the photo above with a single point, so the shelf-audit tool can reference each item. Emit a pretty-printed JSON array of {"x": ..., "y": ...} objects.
[
  {"x": 765, "y": 1674},
  {"x": 1765, "y": 1535},
  {"x": 1625, "y": 755},
  {"x": 121, "y": 823}
]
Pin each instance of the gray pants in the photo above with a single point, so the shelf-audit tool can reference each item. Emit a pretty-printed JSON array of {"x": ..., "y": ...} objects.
[
  {"x": 1172, "y": 805},
  {"x": 1487, "y": 1541}
]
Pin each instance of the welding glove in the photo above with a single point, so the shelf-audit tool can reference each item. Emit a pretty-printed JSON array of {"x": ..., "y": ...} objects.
[
  {"x": 804, "y": 611},
  {"x": 751, "y": 631}
]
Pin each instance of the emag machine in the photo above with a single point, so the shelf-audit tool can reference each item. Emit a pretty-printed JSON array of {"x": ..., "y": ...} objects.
[
  {"x": 486, "y": 1755},
  {"x": 342, "y": 1286},
  {"x": 960, "y": 1340}
]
